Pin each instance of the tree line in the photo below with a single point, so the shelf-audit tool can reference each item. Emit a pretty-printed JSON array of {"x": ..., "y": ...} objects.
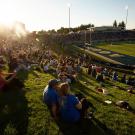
[
  {"x": 82, "y": 27},
  {"x": 63, "y": 30},
  {"x": 120, "y": 25}
]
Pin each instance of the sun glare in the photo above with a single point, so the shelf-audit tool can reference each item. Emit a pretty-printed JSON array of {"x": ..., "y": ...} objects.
[{"x": 8, "y": 15}]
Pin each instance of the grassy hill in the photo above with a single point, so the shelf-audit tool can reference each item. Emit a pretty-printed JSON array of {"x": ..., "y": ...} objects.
[{"x": 23, "y": 112}]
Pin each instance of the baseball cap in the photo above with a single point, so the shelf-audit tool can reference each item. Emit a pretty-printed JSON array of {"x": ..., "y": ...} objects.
[{"x": 53, "y": 82}]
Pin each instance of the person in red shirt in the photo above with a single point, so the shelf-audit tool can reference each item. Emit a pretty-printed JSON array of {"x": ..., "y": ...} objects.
[{"x": 4, "y": 83}]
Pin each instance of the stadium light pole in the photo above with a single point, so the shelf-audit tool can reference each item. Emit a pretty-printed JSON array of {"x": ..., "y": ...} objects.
[
  {"x": 69, "y": 5},
  {"x": 91, "y": 29},
  {"x": 85, "y": 37},
  {"x": 126, "y": 15}
]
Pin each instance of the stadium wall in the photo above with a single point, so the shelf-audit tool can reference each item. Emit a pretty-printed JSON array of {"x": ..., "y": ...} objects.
[{"x": 101, "y": 36}]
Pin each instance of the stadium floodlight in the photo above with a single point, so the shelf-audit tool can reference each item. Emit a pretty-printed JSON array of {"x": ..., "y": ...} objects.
[
  {"x": 69, "y": 5},
  {"x": 126, "y": 15}
]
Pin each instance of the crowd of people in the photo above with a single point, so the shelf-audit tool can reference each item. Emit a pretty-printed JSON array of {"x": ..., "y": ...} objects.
[
  {"x": 103, "y": 73},
  {"x": 58, "y": 97},
  {"x": 66, "y": 69},
  {"x": 14, "y": 56}
]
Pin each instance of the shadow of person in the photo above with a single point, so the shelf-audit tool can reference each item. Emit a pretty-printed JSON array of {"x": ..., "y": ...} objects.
[
  {"x": 107, "y": 130},
  {"x": 83, "y": 127},
  {"x": 86, "y": 126},
  {"x": 14, "y": 113}
]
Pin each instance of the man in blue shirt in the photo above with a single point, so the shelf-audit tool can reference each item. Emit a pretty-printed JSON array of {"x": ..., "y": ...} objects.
[{"x": 50, "y": 96}]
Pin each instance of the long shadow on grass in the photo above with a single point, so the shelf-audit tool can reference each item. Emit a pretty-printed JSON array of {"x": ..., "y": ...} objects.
[
  {"x": 23, "y": 74},
  {"x": 79, "y": 87},
  {"x": 107, "y": 131},
  {"x": 14, "y": 113},
  {"x": 14, "y": 109},
  {"x": 84, "y": 127}
]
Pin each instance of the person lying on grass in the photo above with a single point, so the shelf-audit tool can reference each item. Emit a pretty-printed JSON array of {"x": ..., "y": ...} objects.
[
  {"x": 50, "y": 97},
  {"x": 8, "y": 81},
  {"x": 71, "y": 109},
  {"x": 125, "y": 105}
]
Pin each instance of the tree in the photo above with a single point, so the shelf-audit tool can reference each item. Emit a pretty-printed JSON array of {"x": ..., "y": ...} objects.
[
  {"x": 115, "y": 24},
  {"x": 92, "y": 25},
  {"x": 51, "y": 31},
  {"x": 82, "y": 27},
  {"x": 63, "y": 30},
  {"x": 122, "y": 25}
]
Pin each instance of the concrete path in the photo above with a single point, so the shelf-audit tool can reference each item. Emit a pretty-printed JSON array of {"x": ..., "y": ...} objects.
[{"x": 102, "y": 57}]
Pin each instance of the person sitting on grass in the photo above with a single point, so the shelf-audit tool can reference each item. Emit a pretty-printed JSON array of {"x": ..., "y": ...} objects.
[
  {"x": 46, "y": 67},
  {"x": 99, "y": 77},
  {"x": 123, "y": 79},
  {"x": 69, "y": 104},
  {"x": 125, "y": 105},
  {"x": 63, "y": 78},
  {"x": 50, "y": 97},
  {"x": 8, "y": 81},
  {"x": 89, "y": 69},
  {"x": 115, "y": 76},
  {"x": 2, "y": 62},
  {"x": 72, "y": 108}
]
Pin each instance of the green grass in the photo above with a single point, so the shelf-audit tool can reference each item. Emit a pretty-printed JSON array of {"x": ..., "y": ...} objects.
[
  {"x": 23, "y": 113},
  {"x": 123, "y": 48}
]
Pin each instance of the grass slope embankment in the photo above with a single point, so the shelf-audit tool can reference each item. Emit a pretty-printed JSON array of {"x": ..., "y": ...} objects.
[{"x": 23, "y": 112}]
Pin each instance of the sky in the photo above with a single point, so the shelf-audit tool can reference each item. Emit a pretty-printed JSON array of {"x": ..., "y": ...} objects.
[{"x": 53, "y": 14}]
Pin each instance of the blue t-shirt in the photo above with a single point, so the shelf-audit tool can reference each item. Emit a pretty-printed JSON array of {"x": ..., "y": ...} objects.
[
  {"x": 67, "y": 108},
  {"x": 50, "y": 96}
]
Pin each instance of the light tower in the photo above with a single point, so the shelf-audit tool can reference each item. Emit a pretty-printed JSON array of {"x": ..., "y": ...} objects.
[
  {"x": 126, "y": 15},
  {"x": 69, "y": 5},
  {"x": 91, "y": 29}
]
